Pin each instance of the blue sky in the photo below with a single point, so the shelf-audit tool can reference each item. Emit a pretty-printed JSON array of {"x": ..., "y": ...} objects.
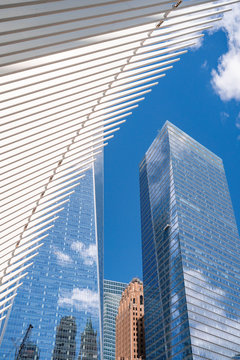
[{"x": 200, "y": 95}]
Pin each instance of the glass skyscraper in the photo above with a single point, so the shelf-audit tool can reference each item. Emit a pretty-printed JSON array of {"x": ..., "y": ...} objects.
[
  {"x": 112, "y": 295},
  {"x": 64, "y": 287},
  {"x": 191, "y": 252}
]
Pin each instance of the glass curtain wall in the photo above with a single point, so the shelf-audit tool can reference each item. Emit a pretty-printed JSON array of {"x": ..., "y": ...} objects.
[{"x": 112, "y": 295}]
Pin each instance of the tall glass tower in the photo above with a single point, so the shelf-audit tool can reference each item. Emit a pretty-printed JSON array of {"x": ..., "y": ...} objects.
[
  {"x": 64, "y": 287},
  {"x": 191, "y": 252},
  {"x": 112, "y": 295}
]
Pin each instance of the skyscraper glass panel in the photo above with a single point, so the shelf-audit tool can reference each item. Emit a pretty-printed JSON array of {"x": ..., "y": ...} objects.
[
  {"x": 191, "y": 252},
  {"x": 64, "y": 287},
  {"x": 112, "y": 295}
]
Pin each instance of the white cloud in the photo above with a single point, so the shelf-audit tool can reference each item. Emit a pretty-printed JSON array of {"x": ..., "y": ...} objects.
[
  {"x": 197, "y": 43},
  {"x": 226, "y": 78},
  {"x": 62, "y": 257},
  {"x": 81, "y": 299},
  {"x": 88, "y": 254}
]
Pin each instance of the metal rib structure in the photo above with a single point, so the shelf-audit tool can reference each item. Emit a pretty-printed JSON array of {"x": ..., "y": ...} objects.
[{"x": 71, "y": 72}]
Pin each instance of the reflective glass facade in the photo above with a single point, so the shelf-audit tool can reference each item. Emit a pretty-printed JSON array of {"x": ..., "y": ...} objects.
[
  {"x": 191, "y": 252},
  {"x": 112, "y": 296},
  {"x": 64, "y": 287}
]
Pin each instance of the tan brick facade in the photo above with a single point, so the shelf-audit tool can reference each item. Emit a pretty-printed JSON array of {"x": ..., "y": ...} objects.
[{"x": 130, "y": 339}]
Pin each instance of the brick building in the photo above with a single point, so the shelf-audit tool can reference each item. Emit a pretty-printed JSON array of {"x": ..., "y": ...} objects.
[{"x": 130, "y": 339}]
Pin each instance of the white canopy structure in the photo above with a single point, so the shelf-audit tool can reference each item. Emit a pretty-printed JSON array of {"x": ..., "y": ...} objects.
[{"x": 71, "y": 72}]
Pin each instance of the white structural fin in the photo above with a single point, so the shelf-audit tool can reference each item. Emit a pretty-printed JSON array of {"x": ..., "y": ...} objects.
[{"x": 71, "y": 72}]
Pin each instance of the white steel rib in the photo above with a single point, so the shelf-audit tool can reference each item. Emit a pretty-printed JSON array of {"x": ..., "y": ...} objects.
[{"x": 70, "y": 73}]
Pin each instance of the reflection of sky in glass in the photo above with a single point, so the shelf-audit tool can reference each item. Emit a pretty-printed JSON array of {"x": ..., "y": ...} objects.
[
  {"x": 63, "y": 282},
  {"x": 190, "y": 252}
]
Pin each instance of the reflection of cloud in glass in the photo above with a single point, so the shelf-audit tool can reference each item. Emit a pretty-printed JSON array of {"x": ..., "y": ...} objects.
[
  {"x": 81, "y": 299},
  {"x": 209, "y": 322},
  {"x": 88, "y": 254},
  {"x": 62, "y": 257}
]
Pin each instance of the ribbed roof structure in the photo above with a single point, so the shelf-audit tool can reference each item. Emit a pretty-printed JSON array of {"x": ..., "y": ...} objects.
[{"x": 71, "y": 72}]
